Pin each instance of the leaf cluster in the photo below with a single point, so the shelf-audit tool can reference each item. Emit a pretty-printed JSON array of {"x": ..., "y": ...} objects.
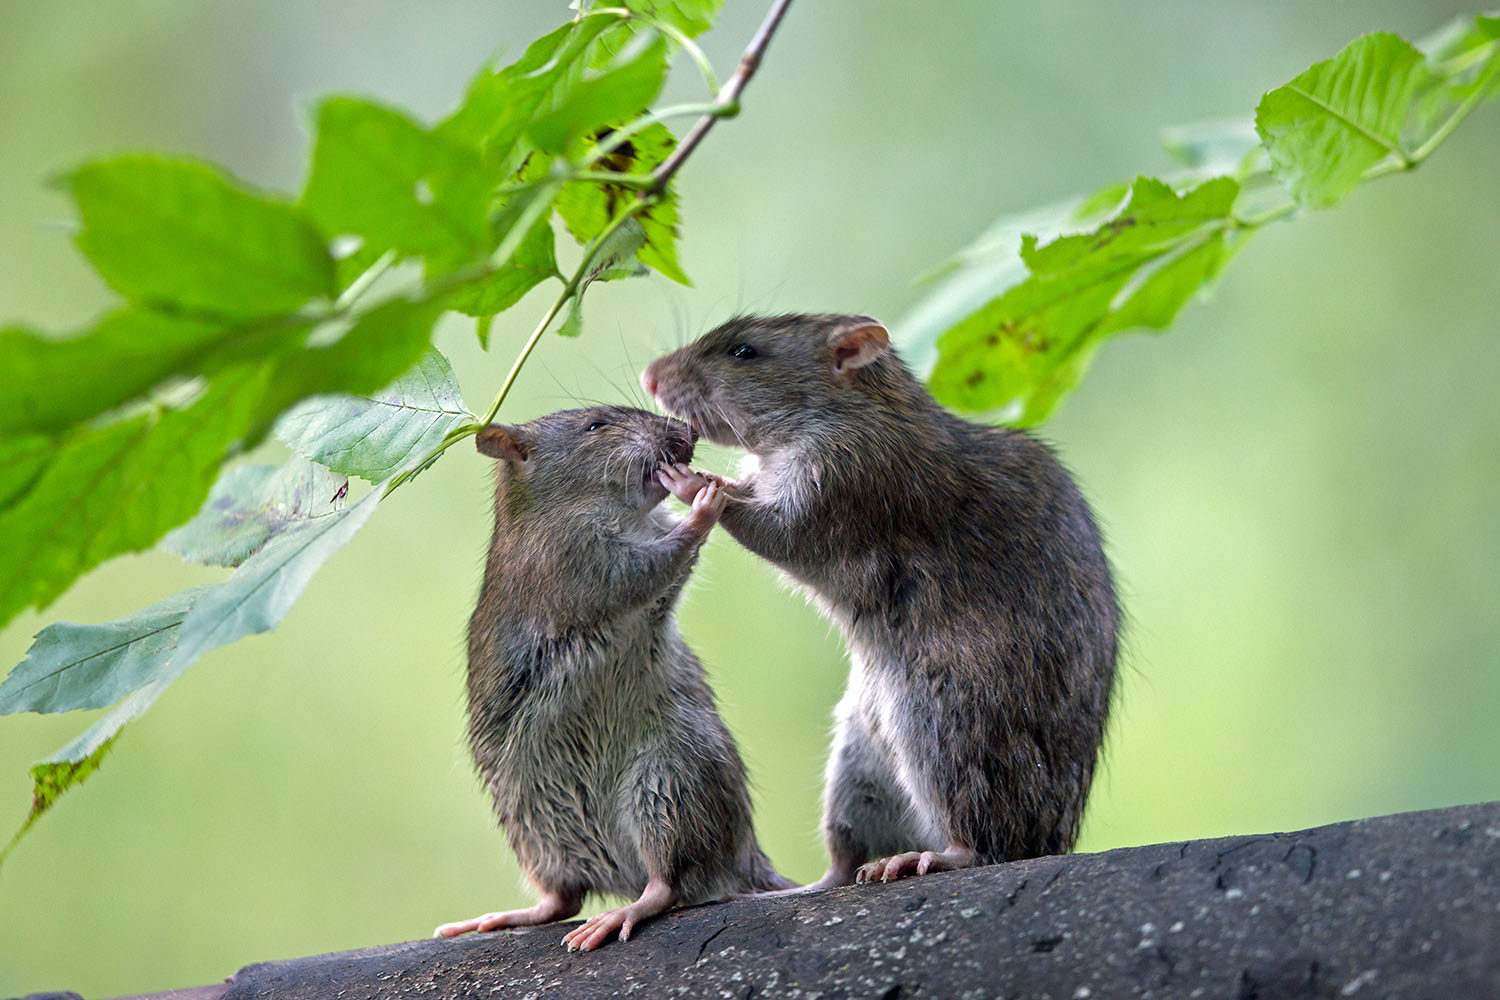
[
  {"x": 309, "y": 314},
  {"x": 1017, "y": 317}
]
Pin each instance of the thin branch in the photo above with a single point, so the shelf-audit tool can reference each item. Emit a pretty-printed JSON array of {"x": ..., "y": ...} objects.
[{"x": 727, "y": 104}]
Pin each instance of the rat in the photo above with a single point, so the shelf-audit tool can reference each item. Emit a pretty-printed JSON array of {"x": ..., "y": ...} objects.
[
  {"x": 962, "y": 565},
  {"x": 590, "y": 720}
]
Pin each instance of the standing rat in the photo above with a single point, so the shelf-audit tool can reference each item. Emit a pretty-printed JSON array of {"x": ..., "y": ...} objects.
[
  {"x": 963, "y": 567},
  {"x": 590, "y": 719}
]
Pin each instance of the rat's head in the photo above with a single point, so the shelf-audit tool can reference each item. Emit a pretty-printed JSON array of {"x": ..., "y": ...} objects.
[
  {"x": 760, "y": 381},
  {"x": 603, "y": 459}
]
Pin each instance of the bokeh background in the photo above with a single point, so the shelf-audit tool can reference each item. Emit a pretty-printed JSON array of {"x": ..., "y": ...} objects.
[{"x": 1299, "y": 482}]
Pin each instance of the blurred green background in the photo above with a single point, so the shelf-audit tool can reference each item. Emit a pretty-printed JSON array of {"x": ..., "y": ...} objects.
[{"x": 1299, "y": 483}]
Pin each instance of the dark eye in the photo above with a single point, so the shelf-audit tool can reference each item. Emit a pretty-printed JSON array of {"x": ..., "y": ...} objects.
[
  {"x": 742, "y": 351},
  {"x": 596, "y": 425}
]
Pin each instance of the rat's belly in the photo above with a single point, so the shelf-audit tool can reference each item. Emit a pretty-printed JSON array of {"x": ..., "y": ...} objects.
[{"x": 562, "y": 770}]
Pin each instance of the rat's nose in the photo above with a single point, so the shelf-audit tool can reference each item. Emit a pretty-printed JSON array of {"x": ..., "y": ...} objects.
[{"x": 648, "y": 379}]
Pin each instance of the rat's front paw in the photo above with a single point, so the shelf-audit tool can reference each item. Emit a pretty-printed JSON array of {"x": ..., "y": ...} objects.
[
  {"x": 680, "y": 481},
  {"x": 707, "y": 506}
]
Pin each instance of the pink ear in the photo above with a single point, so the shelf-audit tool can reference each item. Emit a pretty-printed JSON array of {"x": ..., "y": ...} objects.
[
  {"x": 855, "y": 346},
  {"x": 499, "y": 441}
]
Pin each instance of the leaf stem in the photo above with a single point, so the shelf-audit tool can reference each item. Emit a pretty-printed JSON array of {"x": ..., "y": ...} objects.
[
  {"x": 642, "y": 181},
  {"x": 727, "y": 103},
  {"x": 1459, "y": 63},
  {"x": 362, "y": 283},
  {"x": 1269, "y": 215},
  {"x": 629, "y": 130},
  {"x": 1444, "y": 130}
]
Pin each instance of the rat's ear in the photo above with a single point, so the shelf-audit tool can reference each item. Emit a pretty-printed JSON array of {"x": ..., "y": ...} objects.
[
  {"x": 856, "y": 344},
  {"x": 500, "y": 441}
]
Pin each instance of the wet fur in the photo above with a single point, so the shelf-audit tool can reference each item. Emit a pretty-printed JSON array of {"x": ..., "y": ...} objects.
[
  {"x": 590, "y": 719},
  {"x": 963, "y": 567}
]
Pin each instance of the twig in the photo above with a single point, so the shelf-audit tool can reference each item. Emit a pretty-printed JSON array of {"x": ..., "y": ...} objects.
[
  {"x": 727, "y": 104},
  {"x": 652, "y": 186}
]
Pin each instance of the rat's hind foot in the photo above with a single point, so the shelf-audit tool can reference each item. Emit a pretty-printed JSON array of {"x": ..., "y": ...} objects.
[
  {"x": 597, "y": 929},
  {"x": 552, "y": 906},
  {"x": 916, "y": 863}
]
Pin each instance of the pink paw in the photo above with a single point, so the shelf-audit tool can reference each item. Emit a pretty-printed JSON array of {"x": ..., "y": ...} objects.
[
  {"x": 707, "y": 507},
  {"x": 914, "y": 863},
  {"x": 681, "y": 481}
]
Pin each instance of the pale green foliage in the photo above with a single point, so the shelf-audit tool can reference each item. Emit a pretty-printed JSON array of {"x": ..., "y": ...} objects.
[
  {"x": 1330, "y": 124},
  {"x": 1137, "y": 269},
  {"x": 1016, "y": 319},
  {"x": 374, "y": 436},
  {"x": 251, "y": 503},
  {"x": 93, "y": 666}
]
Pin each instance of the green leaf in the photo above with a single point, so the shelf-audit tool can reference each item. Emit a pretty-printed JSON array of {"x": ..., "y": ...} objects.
[
  {"x": 377, "y": 435},
  {"x": 691, "y": 17},
  {"x": 118, "y": 488},
  {"x": 72, "y": 666},
  {"x": 1340, "y": 117},
  {"x": 254, "y": 599},
  {"x": 51, "y": 778},
  {"x": 22, "y": 459},
  {"x": 53, "y": 384},
  {"x": 383, "y": 343},
  {"x": 181, "y": 234},
  {"x": 991, "y": 264},
  {"x": 609, "y": 261},
  {"x": 378, "y": 175},
  {"x": 534, "y": 261},
  {"x": 259, "y": 593},
  {"x": 500, "y": 104},
  {"x": 250, "y": 504},
  {"x": 624, "y": 90},
  {"x": 572, "y": 324},
  {"x": 1024, "y": 350},
  {"x": 587, "y": 207}
]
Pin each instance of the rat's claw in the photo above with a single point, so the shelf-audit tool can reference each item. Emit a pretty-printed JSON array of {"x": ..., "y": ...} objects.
[
  {"x": 915, "y": 863},
  {"x": 708, "y": 504},
  {"x": 596, "y": 930}
]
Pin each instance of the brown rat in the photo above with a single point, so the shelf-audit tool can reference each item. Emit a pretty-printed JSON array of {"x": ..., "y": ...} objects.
[
  {"x": 963, "y": 567},
  {"x": 590, "y": 719}
]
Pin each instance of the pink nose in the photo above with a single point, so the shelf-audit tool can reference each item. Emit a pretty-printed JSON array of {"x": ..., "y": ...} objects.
[{"x": 648, "y": 379}]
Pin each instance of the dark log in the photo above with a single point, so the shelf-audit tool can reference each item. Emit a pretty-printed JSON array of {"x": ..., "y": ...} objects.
[{"x": 1390, "y": 907}]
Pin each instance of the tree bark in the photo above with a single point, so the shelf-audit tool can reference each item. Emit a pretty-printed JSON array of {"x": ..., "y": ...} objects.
[{"x": 1390, "y": 907}]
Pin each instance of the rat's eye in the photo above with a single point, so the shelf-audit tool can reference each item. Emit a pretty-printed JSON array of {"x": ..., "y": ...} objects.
[
  {"x": 596, "y": 425},
  {"x": 742, "y": 351}
]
